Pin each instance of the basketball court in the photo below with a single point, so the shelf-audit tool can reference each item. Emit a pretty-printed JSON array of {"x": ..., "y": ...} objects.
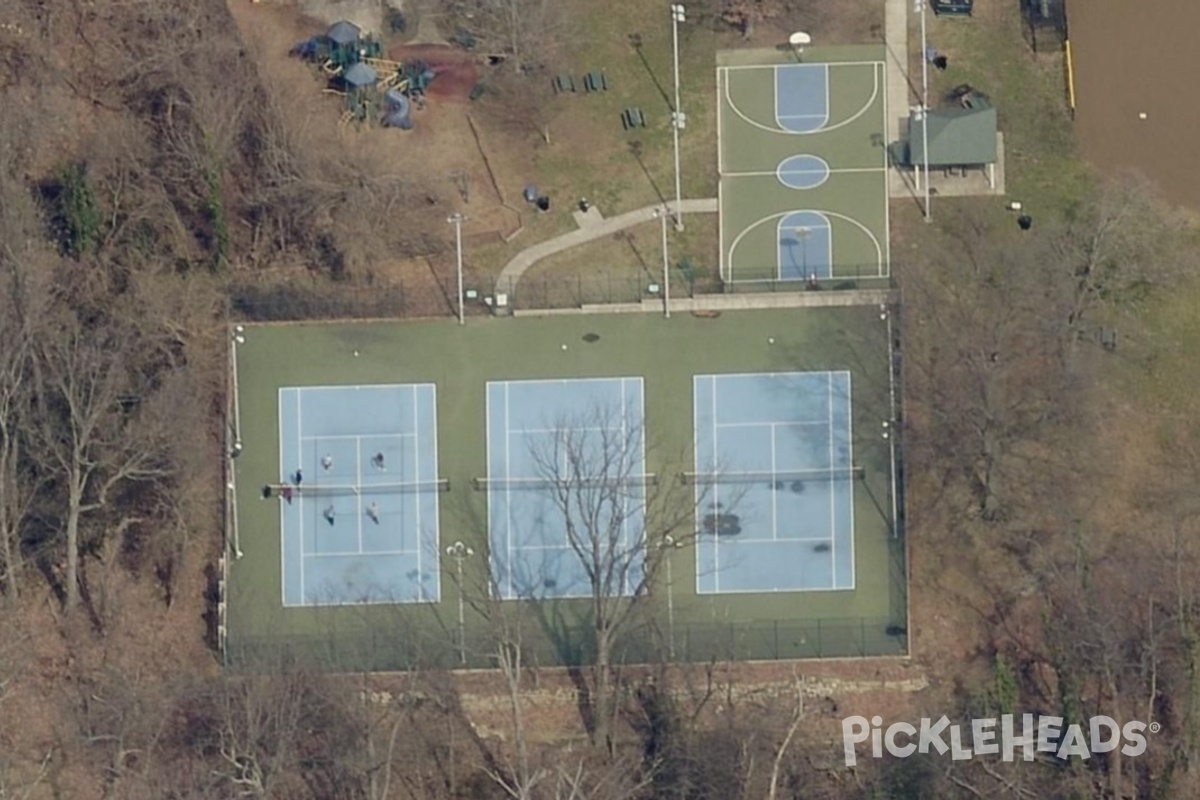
[{"x": 803, "y": 164}]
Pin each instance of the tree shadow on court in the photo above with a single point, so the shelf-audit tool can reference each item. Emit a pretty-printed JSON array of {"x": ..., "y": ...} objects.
[{"x": 635, "y": 40}]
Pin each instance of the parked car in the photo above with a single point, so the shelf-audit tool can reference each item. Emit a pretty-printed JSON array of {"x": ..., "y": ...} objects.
[{"x": 956, "y": 8}]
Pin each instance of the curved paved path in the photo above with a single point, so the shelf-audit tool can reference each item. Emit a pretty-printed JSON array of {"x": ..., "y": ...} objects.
[{"x": 515, "y": 268}]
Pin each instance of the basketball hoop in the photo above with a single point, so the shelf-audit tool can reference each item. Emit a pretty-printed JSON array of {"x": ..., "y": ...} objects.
[{"x": 798, "y": 40}]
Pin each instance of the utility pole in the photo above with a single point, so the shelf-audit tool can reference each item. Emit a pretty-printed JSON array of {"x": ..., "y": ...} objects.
[
  {"x": 678, "y": 118},
  {"x": 456, "y": 219}
]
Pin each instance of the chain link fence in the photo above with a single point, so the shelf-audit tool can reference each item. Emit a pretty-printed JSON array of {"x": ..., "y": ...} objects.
[
  {"x": 321, "y": 299},
  {"x": 396, "y": 650},
  {"x": 436, "y": 295}
]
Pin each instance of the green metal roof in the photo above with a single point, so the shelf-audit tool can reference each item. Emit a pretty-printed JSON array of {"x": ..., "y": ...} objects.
[{"x": 957, "y": 137}]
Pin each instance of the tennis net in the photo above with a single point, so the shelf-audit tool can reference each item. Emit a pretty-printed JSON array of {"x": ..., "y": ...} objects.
[
  {"x": 778, "y": 480},
  {"x": 327, "y": 490},
  {"x": 486, "y": 484}
]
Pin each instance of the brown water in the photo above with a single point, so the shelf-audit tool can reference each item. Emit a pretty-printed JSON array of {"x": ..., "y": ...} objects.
[{"x": 1135, "y": 56}]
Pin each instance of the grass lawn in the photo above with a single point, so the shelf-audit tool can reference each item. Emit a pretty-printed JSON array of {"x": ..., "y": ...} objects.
[
  {"x": 589, "y": 154},
  {"x": 988, "y": 51},
  {"x": 619, "y": 268}
]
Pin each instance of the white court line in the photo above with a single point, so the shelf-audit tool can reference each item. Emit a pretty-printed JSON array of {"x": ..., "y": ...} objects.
[
  {"x": 772, "y": 375},
  {"x": 300, "y": 508},
  {"x": 350, "y": 553},
  {"x": 745, "y": 118},
  {"x": 532, "y": 381},
  {"x": 493, "y": 587},
  {"x": 716, "y": 491},
  {"x": 437, "y": 505},
  {"x": 558, "y": 430},
  {"x": 508, "y": 544},
  {"x": 776, "y": 422},
  {"x": 850, "y": 445},
  {"x": 738, "y": 540},
  {"x": 887, "y": 200},
  {"x": 797, "y": 590},
  {"x": 721, "y": 261},
  {"x": 319, "y": 438},
  {"x": 358, "y": 483},
  {"x": 744, "y": 67},
  {"x": 822, "y": 174},
  {"x": 832, "y": 484},
  {"x": 566, "y": 548},
  {"x": 417, "y": 470},
  {"x": 774, "y": 504},
  {"x": 720, "y": 154},
  {"x": 775, "y": 172},
  {"x": 763, "y": 220},
  {"x": 359, "y": 387},
  {"x": 283, "y": 514}
]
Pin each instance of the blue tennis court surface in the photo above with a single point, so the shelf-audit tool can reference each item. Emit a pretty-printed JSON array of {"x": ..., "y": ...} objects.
[
  {"x": 802, "y": 97},
  {"x": 805, "y": 246},
  {"x": 778, "y": 512},
  {"x": 569, "y": 431},
  {"x": 362, "y": 527}
]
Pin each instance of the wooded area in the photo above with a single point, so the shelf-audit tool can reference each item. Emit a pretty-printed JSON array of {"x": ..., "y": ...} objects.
[{"x": 149, "y": 174}]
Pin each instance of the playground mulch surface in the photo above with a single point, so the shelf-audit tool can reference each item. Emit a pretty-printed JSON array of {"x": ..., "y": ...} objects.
[{"x": 457, "y": 71}]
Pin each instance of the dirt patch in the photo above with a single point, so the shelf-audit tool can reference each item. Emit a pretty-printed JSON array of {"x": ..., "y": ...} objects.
[
  {"x": 1135, "y": 58},
  {"x": 456, "y": 72}
]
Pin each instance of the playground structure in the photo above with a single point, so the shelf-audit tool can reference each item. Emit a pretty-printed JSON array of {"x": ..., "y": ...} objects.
[{"x": 374, "y": 90}]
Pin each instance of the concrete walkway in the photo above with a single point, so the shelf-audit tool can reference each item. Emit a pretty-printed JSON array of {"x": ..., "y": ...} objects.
[
  {"x": 596, "y": 227},
  {"x": 715, "y": 303},
  {"x": 900, "y": 94}
]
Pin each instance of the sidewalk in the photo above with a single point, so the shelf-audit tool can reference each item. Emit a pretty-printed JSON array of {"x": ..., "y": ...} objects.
[
  {"x": 899, "y": 96},
  {"x": 596, "y": 227}
]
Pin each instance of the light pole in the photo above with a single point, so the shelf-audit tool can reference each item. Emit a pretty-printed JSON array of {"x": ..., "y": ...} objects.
[
  {"x": 661, "y": 214},
  {"x": 456, "y": 219},
  {"x": 919, "y": 7},
  {"x": 460, "y": 552},
  {"x": 667, "y": 544},
  {"x": 678, "y": 118}
]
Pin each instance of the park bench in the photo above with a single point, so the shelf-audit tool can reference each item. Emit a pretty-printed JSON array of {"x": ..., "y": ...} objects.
[
  {"x": 633, "y": 118},
  {"x": 595, "y": 82}
]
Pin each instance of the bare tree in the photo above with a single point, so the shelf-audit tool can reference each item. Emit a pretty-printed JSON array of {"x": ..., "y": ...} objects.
[
  {"x": 518, "y": 29},
  {"x": 596, "y": 497},
  {"x": 22, "y": 307},
  {"x": 94, "y": 369}
]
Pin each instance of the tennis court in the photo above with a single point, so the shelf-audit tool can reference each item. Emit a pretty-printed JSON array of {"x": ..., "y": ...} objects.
[
  {"x": 471, "y": 422},
  {"x": 359, "y": 497},
  {"x": 585, "y": 437},
  {"x": 803, "y": 188},
  {"x": 775, "y": 482}
]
